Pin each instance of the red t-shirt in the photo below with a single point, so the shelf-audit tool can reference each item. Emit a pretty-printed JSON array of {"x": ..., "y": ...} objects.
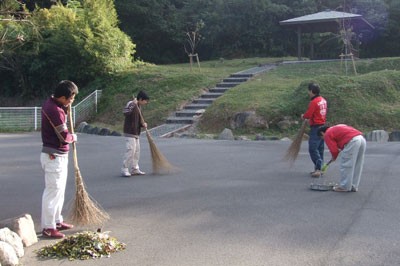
[
  {"x": 338, "y": 136},
  {"x": 316, "y": 112}
]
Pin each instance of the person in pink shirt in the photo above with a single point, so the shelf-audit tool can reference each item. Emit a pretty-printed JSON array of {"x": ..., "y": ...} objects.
[{"x": 351, "y": 145}]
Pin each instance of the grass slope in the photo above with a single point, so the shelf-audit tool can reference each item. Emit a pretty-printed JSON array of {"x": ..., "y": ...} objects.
[{"x": 369, "y": 100}]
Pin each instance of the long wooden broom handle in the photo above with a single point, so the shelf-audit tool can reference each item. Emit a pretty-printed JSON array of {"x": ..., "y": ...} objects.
[
  {"x": 141, "y": 116},
  {"x": 71, "y": 128}
]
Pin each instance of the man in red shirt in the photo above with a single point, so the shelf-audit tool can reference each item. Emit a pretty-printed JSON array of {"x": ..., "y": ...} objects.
[
  {"x": 351, "y": 145},
  {"x": 316, "y": 115}
]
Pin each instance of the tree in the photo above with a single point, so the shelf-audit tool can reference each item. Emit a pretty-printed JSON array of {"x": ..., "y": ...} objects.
[
  {"x": 193, "y": 38},
  {"x": 19, "y": 39}
]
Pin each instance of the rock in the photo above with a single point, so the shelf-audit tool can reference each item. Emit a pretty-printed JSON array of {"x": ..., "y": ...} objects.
[
  {"x": 81, "y": 127},
  {"x": 115, "y": 133},
  {"x": 260, "y": 137},
  {"x": 22, "y": 225},
  {"x": 284, "y": 124},
  {"x": 94, "y": 131},
  {"x": 226, "y": 134},
  {"x": 8, "y": 257},
  {"x": 394, "y": 136},
  {"x": 104, "y": 132},
  {"x": 248, "y": 119},
  {"x": 377, "y": 135},
  {"x": 10, "y": 237},
  {"x": 242, "y": 138}
]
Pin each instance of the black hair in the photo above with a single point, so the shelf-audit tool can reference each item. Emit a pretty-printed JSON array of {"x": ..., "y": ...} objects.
[
  {"x": 65, "y": 88},
  {"x": 142, "y": 95},
  {"x": 314, "y": 88},
  {"x": 321, "y": 129}
]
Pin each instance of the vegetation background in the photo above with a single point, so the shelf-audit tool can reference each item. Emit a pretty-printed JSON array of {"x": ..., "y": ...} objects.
[{"x": 122, "y": 46}]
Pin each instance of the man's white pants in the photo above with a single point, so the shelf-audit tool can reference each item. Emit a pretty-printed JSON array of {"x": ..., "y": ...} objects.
[
  {"x": 55, "y": 175},
  {"x": 352, "y": 161},
  {"x": 132, "y": 154}
]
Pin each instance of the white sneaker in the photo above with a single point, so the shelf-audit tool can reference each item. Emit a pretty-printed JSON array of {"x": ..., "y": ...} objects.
[
  {"x": 138, "y": 172},
  {"x": 125, "y": 172}
]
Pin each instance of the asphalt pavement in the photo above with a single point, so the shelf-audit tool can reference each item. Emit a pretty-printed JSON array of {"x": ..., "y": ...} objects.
[{"x": 232, "y": 203}]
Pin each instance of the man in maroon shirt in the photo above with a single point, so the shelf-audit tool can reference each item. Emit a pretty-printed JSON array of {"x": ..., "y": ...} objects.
[
  {"x": 316, "y": 115},
  {"x": 54, "y": 157},
  {"x": 350, "y": 143}
]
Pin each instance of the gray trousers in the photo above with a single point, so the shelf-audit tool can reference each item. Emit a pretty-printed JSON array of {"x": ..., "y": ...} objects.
[{"x": 352, "y": 162}]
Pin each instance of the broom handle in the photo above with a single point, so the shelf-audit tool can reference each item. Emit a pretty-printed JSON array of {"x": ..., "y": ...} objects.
[
  {"x": 71, "y": 128},
  {"x": 141, "y": 117}
]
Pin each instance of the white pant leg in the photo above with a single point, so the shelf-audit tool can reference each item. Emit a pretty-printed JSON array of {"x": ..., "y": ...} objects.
[
  {"x": 136, "y": 154},
  {"x": 348, "y": 161},
  {"x": 132, "y": 154},
  {"x": 359, "y": 162},
  {"x": 55, "y": 175}
]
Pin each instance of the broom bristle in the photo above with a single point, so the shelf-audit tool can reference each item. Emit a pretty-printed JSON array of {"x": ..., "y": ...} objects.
[
  {"x": 160, "y": 164},
  {"x": 294, "y": 148},
  {"x": 84, "y": 210}
]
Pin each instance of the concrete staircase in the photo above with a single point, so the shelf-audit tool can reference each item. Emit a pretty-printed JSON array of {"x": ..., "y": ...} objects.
[{"x": 183, "y": 119}]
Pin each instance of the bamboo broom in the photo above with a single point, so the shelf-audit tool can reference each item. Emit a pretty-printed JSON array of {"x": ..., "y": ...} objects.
[
  {"x": 84, "y": 210},
  {"x": 294, "y": 148},
  {"x": 160, "y": 164}
]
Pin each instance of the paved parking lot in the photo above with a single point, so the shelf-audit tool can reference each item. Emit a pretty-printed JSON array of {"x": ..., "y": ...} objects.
[{"x": 233, "y": 203}]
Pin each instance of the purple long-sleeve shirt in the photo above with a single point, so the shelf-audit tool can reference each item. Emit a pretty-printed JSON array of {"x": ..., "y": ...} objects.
[{"x": 56, "y": 138}]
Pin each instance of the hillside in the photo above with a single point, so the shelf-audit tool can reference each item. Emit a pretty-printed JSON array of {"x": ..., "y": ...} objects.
[{"x": 369, "y": 100}]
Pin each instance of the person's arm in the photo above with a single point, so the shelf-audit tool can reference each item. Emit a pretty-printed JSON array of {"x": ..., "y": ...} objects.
[
  {"x": 310, "y": 111},
  {"x": 128, "y": 109},
  {"x": 57, "y": 119},
  {"x": 332, "y": 146}
]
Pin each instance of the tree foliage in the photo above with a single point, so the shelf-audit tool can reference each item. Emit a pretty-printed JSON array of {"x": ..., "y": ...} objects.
[
  {"x": 43, "y": 41},
  {"x": 246, "y": 27},
  {"x": 78, "y": 41}
]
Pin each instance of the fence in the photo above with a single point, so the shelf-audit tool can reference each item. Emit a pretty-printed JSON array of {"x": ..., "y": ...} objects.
[{"x": 29, "y": 118}]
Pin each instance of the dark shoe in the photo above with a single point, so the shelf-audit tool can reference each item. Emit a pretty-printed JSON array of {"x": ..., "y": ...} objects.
[
  {"x": 353, "y": 189},
  {"x": 316, "y": 174},
  {"x": 63, "y": 226},
  {"x": 52, "y": 233},
  {"x": 339, "y": 189}
]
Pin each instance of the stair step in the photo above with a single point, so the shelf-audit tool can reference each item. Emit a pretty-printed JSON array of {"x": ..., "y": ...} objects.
[
  {"x": 234, "y": 79},
  {"x": 179, "y": 120},
  {"x": 189, "y": 112},
  {"x": 241, "y": 75},
  {"x": 227, "y": 84},
  {"x": 204, "y": 101},
  {"x": 218, "y": 89},
  {"x": 211, "y": 95},
  {"x": 196, "y": 106}
]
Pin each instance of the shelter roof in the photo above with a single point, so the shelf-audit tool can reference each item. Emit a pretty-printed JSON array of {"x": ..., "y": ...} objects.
[{"x": 327, "y": 21}]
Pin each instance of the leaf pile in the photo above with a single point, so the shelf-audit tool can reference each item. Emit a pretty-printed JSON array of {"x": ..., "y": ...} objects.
[{"x": 82, "y": 246}]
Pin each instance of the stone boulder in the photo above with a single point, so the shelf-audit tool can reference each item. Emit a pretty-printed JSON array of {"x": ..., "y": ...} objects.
[
  {"x": 8, "y": 257},
  {"x": 22, "y": 225},
  {"x": 377, "y": 136},
  {"x": 286, "y": 123},
  {"x": 226, "y": 134},
  {"x": 394, "y": 136},
  {"x": 248, "y": 119},
  {"x": 10, "y": 237},
  {"x": 81, "y": 127},
  {"x": 104, "y": 132}
]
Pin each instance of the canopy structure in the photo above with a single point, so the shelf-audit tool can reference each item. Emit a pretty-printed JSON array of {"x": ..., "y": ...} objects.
[{"x": 325, "y": 21}]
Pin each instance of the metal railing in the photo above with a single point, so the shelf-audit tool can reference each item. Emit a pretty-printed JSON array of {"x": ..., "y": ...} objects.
[{"x": 29, "y": 118}]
